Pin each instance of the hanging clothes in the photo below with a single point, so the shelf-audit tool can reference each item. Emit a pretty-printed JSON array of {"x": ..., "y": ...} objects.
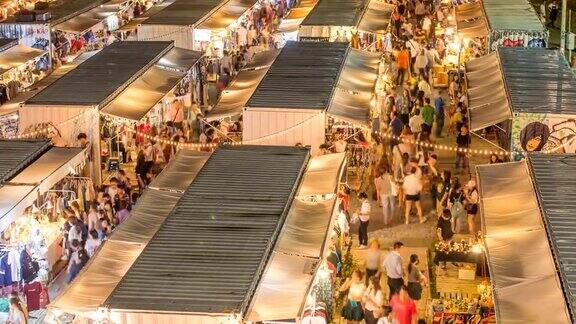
[{"x": 14, "y": 263}]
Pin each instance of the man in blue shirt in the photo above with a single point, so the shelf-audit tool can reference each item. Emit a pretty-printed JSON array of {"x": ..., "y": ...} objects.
[
  {"x": 439, "y": 115},
  {"x": 395, "y": 127}
]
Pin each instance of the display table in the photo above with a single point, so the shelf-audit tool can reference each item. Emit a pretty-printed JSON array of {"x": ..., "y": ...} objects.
[{"x": 463, "y": 257}]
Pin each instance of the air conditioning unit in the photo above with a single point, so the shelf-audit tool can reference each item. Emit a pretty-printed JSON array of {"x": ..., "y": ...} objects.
[{"x": 43, "y": 16}]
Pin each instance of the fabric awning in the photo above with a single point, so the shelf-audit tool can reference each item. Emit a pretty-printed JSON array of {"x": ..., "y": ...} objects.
[
  {"x": 292, "y": 21},
  {"x": 470, "y": 20},
  {"x": 180, "y": 59},
  {"x": 226, "y": 14},
  {"x": 517, "y": 248},
  {"x": 300, "y": 245},
  {"x": 487, "y": 97},
  {"x": 85, "y": 21},
  {"x": 143, "y": 94},
  {"x": 51, "y": 167},
  {"x": 355, "y": 89},
  {"x": 16, "y": 56},
  {"x": 376, "y": 17},
  {"x": 100, "y": 276},
  {"x": 235, "y": 97},
  {"x": 13, "y": 201}
]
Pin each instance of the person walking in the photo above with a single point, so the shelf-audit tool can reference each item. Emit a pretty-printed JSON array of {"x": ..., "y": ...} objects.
[
  {"x": 373, "y": 301},
  {"x": 352, "y": 311},
  {"x": 364, "y": 218},
  {"x": 463, "y": 141},
  {"x": 404, "y": 307},
  {"x": 445, "y": 228},
  {"x": 403, "y": 64},
  {"x": 415, "y": 278},
  {"x": 373, "y": 259},
  {"x": 439, "y": 115},
  {"x": 427, "y": 113},
  {"x": 472, "y": 199},
  {"x": 393, "y": 264},
  {"x": 412, "y": 189},
  {"x": 385, "y": 184}
]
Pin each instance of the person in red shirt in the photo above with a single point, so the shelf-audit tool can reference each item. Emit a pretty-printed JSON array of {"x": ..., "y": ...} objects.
[{"x": 403, "y": 307}]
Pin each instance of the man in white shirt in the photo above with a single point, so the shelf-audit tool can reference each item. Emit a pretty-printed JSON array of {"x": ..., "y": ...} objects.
[
  {"x": 424, "y": 86},
  {"x": 414, "y": 48},
  {"x": 394, "y": 266},
  {"x": 415, "y": 123},
  {"x": 364, "y": 218}
]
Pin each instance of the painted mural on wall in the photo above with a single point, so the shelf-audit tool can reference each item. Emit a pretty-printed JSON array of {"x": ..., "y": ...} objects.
[{"x": 542, "y": 132}]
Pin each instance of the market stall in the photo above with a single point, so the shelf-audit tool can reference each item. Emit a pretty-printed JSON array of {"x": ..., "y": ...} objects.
[
  {"x": 290, "y": 24},
  {"x": 269, "y": 248},
  {"x": 335, "y": 85},
  {"x": 523, "y": 96},
  {"x": 235, "y": 96},
  {"x": 20, "y": 67},
  {"x": 363, "y": 23},
  {"x": 127, "y": 80},
  {"x": 64, "y": 28},
  {"x": 517, "y": 227},
  {"x": 496, "y": 23},
  {"x": 209, "y": 25},
  {"x": 32, "y": 203}
]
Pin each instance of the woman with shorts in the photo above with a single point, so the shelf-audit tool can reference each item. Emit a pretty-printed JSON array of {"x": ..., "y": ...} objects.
[
  {"x": 412, "y": 189},
  {"x": 472, "y": 199}
]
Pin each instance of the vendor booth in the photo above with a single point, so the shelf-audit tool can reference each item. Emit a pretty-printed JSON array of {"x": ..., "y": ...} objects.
[
  {"x": 40, "y": 181},
  {"x": 235, "y": 96},
  {"x": 127, "y": 80},
  {"x": 65, "y": 28},
  {"x": 361, "y": 22},
  {"x": 310, "y": 88},
  {"x": 20, "y": 67},
  {"x": 273, "y": 282},
  {"x": 527, "y": 238},
  {"x": 523, "y": 98},
  {"x": 290, "y": 24},
  {"x": 208, "y": 25},
  {"x": 501, "y": 23}
]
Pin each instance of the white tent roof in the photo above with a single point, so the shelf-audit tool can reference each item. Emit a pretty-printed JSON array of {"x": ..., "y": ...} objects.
[
  {"x": 522, "y": 269},
  {"x": 16, "y": 56}
]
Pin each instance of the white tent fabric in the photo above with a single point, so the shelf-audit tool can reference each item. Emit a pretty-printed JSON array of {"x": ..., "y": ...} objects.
[
  {"x": 100, "y": 276},
  {"x": 13, "y": 201},
  {"x": 300, "y": 246},
  {"x": 376, "y": 17},
  {"x": 143, "y": 94},
  {"x": 320, "y": 176},
  {"x": 16, "y": 56},
  {"x": 522, "y": 268},
  {"x": 355, "y": 89},
  {"x": 83, "y": 22},
  {"x": 180, "y": 59},
  {"x": 234, "y": 98},
  {"x": 51, "y": 167},
  {"x": 470, "y": 20},
  {"x": 487, "y": 97},
  {"x": 227, "y": 14},
  {"x": 292, "y": 21}
]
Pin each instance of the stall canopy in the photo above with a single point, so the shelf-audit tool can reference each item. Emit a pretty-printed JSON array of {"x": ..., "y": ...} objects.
[
  {"x": 228, "y": 13},
  {"x": 16, "y": 56},
  {"x": 554, "y": 179},
  {"x": 100, "y": 77},
  {"x": 233, "y": 98},
  {"x": 61, "y": 11},
  {"x": 512, "y": 15},
  {"x": 332, "y": 13},
  {"x": 376, "y": 17},
  {"x": 303, "y": 76},
  {"x": 136, "y": 100},
  {"x": 294, "y": 18},
  {"x": 470, "y": 20},
  {"x": 487, "y": 98},
  {"x": 36, "y": 173},
  {"x": 511, "y": 80},
  {"x": 184, "y": 12},
  {"x": 85, "y": 21},
  {"x": 241, "y": 192},
  {"x": 105, "y": 270},
  {"x": 15, "y": 155},
  {"x": 522, "y": 269},
  {"x": 354, "y": 95}
]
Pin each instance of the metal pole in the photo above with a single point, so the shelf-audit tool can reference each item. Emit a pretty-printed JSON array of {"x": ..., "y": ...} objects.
[
  {"x": 570, "y": 32},
  {"x": 563, "y": 27}
]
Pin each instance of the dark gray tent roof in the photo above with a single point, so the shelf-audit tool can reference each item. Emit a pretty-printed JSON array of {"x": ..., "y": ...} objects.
[
  {"x": 63, "y": 10},
  {"x": 335, "y": 13},
  {"x": 304, "y": 76},
  {"x": 538, "y": 80},
  {"x": 555, "y": 180},
  {"x": 6, "y": 43},
  {"x": 106, "y": 73},
  {"x": 183, "y": 12},
  {"x": 208, "y": 255},
  {"x": 15, "y": 155}
]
